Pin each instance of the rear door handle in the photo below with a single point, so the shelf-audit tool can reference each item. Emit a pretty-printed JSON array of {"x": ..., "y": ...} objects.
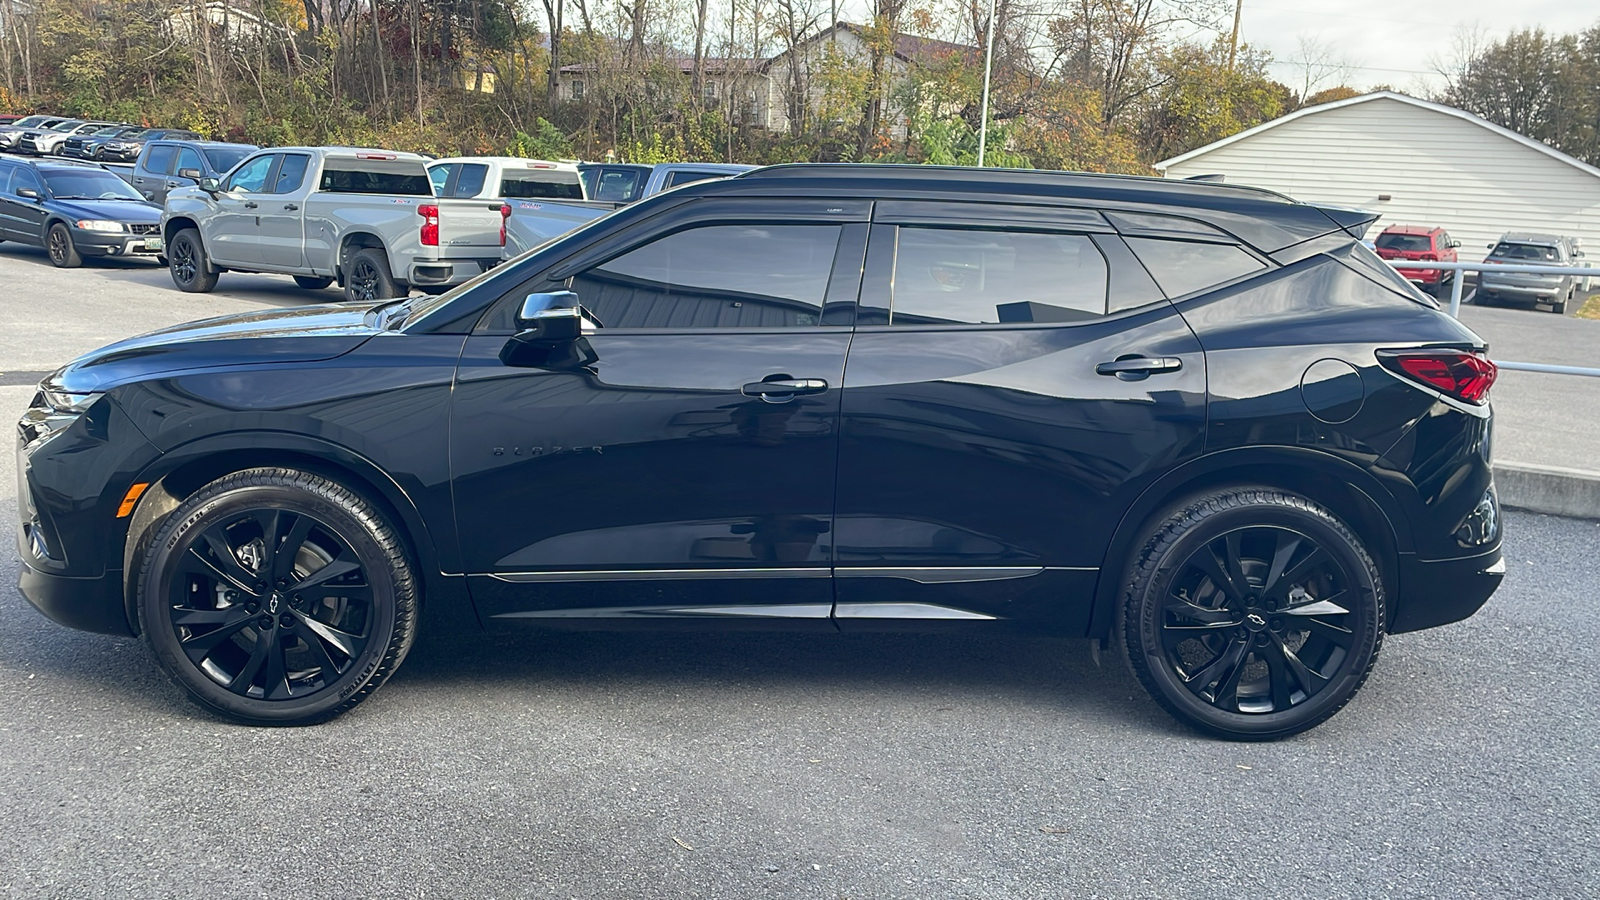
[
  {"x": 291, "y": 206},
  {"x": 249, "y": 204},
  {"x": 1133, "y": 368},
  {"x": 172, "y": 184},
  {"x": 784, "y": 388}
]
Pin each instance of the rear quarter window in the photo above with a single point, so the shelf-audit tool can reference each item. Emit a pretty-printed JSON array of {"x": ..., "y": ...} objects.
[{"x": 1186, "y": 267}]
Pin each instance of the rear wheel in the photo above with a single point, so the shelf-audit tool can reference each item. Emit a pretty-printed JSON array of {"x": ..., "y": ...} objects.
[
  {"x": 1252, "y": 614},
  {"x": 186, "y": 261},
  {"x": 276, "y": 597},
  {"x": 58, "y": 244},
  {"x": 368, "y": 277},
  {"x": 312, "y": 282}
]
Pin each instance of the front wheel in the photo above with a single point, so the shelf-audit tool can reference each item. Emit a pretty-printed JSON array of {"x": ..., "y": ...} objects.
[
  {"x": 58, "y": 244},
  {"x": 312, "y": 282},
  {"x": 1252, "y": 614},
  {"x": 186, "y": 261},
  {"x": 277, "y": 597}
]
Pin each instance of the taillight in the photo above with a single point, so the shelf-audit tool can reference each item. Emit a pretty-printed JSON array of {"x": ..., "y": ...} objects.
[
  {"x": 1454, "y": 373},
  {"x": 505, "y": 213},
  {"x": 430, "y": 225}
]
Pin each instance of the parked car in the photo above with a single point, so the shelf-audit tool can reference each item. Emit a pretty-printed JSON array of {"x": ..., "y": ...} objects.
[
  {"x": 7, "y": 120},
  {"x": 84, "y": 146},
  {"x": 629, "y": 182},
  {"x": 11, "y": 134},
  {"x": 1526, "y": 249},
  {"x": 546, "y": 199},
  {"x": 365, "y": 218},
  {"x": 1420, "y": 243},
  {"x": 75, "y": 211},
  {"x": 818, "y": 398},
  {"x": 46, "y": 143},
  {"x": 128, "y": 148},
  {"x": 165, "y": 165}
]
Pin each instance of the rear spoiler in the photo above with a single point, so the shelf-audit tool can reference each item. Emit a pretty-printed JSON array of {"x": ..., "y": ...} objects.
[{"x": 1355, "y": 222}]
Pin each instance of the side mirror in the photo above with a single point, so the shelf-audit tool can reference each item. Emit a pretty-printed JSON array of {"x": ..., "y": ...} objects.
[
  {"x": 30, "y": 193},
  {"x": 551, "y": 335},
  {"x": 210, "y": 185},
  {"x": 551, "y": 325},
  {"x": 191, "y": 174},
  {"x": 1454, "y": 244}
]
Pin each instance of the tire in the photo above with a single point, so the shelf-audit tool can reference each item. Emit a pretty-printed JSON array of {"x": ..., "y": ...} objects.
[
  {"x": 186, "y": 262},
  {"x": 59, "y": 247},
  {"x": 263, "y": 637},
  {"x": 368, "y": 277},
  {"x": 312, "y": 282},
  {"x": 1202, "y": 623}
]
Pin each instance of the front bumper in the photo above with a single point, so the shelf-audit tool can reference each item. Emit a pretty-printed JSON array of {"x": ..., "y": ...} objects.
[
  {"x": 88, "y": 604},
  {"x": 117, "y": 243}
]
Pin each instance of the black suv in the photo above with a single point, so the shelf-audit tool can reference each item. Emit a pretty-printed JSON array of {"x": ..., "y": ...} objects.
[
  {"x": 76, "y": 210},
  {"x": 1200, "y": 421}
]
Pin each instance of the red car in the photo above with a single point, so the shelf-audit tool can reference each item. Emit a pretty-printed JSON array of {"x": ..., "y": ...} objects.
[{"x": 1415, "y": 242}]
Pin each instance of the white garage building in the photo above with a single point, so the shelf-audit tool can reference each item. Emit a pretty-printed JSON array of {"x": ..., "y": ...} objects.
[{"x": 1419, "y": 163}]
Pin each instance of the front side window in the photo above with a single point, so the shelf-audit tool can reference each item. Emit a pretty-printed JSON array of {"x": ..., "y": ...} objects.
[
  {"x": 718, "y": 276},
  {"x": 23, "y": 178},
  {"x": 1184, "y": 267},
  {"x": 950, "y": 276},
  {"x": 252, "y": 176}
]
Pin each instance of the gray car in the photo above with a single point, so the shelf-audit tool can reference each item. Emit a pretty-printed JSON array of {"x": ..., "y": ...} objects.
[{"x": 1526, "y": 249}]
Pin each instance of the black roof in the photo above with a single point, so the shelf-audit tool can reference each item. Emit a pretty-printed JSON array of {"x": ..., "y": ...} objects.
[{"x": 1266, "y": 220}]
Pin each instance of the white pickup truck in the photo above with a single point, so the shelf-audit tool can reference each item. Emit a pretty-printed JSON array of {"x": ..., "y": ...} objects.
[
  {"x": 367, "y": 219},
  {"x": 547, "y": 199}
]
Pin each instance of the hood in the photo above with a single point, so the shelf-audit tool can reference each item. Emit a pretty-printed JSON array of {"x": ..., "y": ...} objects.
[
  {"x": 138, "y": 212},
  {"x": 303, "y": 334}
]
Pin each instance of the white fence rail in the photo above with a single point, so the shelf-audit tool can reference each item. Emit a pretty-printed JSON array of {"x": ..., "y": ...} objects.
[{"x": 1455, "y": 299}]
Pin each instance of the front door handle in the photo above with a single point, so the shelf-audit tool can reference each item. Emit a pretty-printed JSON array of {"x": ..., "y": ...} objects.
[
  {"x": 250, "y": 204},
  {"x": 782, "y": 389},
  {"x": 291, "y": 206},
  {"x": 1135, "y": 368},
  {"x": 172, "y": 184}
]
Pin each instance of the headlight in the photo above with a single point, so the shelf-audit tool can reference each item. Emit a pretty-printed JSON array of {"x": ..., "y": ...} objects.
[
  {"x": 51, "y": 413},
  {"x": 99, "y": 225}
]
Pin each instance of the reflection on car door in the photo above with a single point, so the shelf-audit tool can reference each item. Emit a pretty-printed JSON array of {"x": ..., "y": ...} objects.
[
  {"x": 982, "y": 459},
  {"x": 680, "y": 460},
  {"x": 234, "y": 235},
  {"x": 25, "y": 215},
  {"x": 280, "y": 215}
]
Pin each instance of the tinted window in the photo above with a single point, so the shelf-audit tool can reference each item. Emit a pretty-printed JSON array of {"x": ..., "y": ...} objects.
[
  {"x": 224, "y": 158},
  {"x": 291, "y": 173},
  {"x": 541, "y": 184},
  {"x": 1183, "y": 267},
  {"x": 1534, "y": 252},
  {"x": 189, "y": 159},
  {"x": 469, "y": 182},
  {"x": 439, "y": 175},
  {"x": 24, "y": 178},
  {"x": 160, "y": 157},
  {"x": 1405, "y": 243},
  {"x": 677, "y": 178},
  {"x": 946, "y": 276},
  {"x": 375, "y": 176},
  {"x": 252, "y": 176},
  {"x": 720, "y": 276},
  {"x": 618, "y": 185}
]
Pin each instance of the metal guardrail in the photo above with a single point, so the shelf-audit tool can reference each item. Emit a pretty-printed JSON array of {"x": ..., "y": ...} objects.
[{"x": 1455, "y": 300}]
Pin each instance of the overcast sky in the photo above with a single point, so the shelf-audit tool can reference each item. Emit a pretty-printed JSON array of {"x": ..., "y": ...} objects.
[{"x": 1388, "y": 42}]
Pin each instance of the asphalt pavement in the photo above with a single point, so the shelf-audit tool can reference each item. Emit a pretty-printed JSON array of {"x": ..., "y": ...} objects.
[{"x": 754, "y": 765}]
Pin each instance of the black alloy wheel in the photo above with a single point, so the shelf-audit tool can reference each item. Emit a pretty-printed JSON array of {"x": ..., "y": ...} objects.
[
  {"x": 368, "y": 278},
  {"x": 186, "y": 263},
  {"x": 58, "y": 244},
  {"x": 1253, "y": 614},
  {"x": 276, "y": 597}
]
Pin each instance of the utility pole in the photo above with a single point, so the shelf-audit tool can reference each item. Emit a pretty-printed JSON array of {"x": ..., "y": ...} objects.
[
  {"x": 988, "y": 65},
  {"x": 1233, "y": 42}
]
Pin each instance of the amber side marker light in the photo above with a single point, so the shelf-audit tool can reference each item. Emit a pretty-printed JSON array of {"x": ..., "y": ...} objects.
[{"x": 131, "y": 498}]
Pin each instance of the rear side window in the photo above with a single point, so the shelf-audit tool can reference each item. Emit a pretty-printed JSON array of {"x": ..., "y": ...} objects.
[
  {"x": 291, "y": 173},
  {"x": 541, "y": 184},
  {"x": 1184, "y": 267},
  {"x": 160, "y": 158},
  {"x": 949, "y": 276},
  {"x": 718, "y": 276},
  {"x": 1405, "y": 243},
  {"x": 342, "y": 175},
  {"x": 469, "y": 181}
]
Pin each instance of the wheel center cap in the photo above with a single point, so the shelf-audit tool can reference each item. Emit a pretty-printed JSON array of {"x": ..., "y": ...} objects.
[
  {"x": 275, "y": 603},
  {"x": 1255, "y": 621}
]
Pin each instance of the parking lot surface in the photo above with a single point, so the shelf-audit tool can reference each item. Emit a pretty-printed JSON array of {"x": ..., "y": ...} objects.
[{"x": 650, "y": 765}]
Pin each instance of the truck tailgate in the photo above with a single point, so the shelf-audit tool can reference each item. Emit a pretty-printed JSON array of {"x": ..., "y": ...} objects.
[{"x": 469, "y": 228}]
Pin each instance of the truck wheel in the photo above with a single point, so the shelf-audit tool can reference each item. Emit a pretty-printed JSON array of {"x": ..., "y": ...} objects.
[
  {"x": 58, "y": 243},
  {"x": 277, "y": 597},
  {"x": 312, "y": 282},
  {"x": 186, "y": 260},
  {"x": 369, "y": 279}
]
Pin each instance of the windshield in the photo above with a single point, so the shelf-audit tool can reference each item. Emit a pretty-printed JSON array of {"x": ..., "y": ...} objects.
[
  {"x": 1536, "y": 252},
  {"x": 30, "y": 121},
  {"x": 89, "y": 184},
  {"x": 1405, "y": 243},
  {"x": 113, "y": 129},
  {"x": 225, "y": 158}
]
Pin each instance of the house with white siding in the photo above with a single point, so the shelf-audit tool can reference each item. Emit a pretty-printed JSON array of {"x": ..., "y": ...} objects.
[{"x": 1416, "y": 162}]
